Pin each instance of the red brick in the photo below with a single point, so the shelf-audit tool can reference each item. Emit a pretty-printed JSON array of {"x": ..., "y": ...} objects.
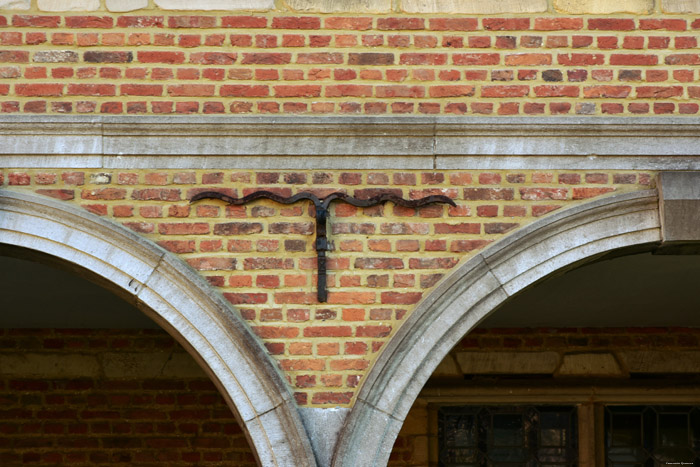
[
  {"x": 400, "y": 24},
  {"x": 476, "y": 59},
  {"x": 141, "y": 90},
  {"x": 371, "y": 58},
  {"x": 659, "y": 92},
  {"x": 683, "y": 59},
  {"x": 296, "y": 22},
  {"x": 585, "y": 193},
  {"x": 58, "y": 194},
  {"x": 348, "y": 90},
  {"x": 400, "y": 91},
  {"x": 528, "y": 59},
  {"x": 36, "y": 21},
  {"x": 611, "y": 24},
  {"x": 192, "y": 21},
  {"x": 459, "y": 246},
  {"x": 352, "y": 23},
  {"x": 453, "y": 24},
  {"x": 632, "y": 59},
  {"x": 91, "y": 90},
  {"x": 506, "y": 24},
  {"x": 140, "y": 21},
  {"x": 580, "y": 59},
  {"x": 244, "y": 90},
  {"x": 556, "y": 91},
  {"x": 213, "y": 58},
  {"x": 246, "y": 22},
  {"x": 398, "y": 298},
  {"x": 264, "y": 58},
  {"x": 505, "y": 91},
  {"x": 196, "y": 228},
  {"x": 47, "y": 90},
  {"x": 89, "y": 22},
  {"x": 161, "y": 57},
  {"x": 423, "y": 59},
  {"x": 606, "y": 91},
  {"x": 666, "y": 24},
  {"x": 557, "y": 24},
  {"x": 451, "y": 91},
  {"x": 191, "y": 90},
  {"x": 332, "y": 398}
]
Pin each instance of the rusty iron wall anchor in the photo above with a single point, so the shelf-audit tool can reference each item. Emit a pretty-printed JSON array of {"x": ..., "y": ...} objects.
[{"x": 321, "y": 206}]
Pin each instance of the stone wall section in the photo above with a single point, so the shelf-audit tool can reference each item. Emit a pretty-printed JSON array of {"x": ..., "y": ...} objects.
[
  {"x": 556, "y": 61},
  {"x": 383, "y": 262},
  {"x": 94, "y": 397},
  {"x": 366, "y": 6}
]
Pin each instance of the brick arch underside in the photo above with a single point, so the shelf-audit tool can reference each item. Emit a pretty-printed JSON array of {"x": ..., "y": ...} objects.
[
  {"x": 179, "y": 301},
  {"x": 471, "y": 293}
]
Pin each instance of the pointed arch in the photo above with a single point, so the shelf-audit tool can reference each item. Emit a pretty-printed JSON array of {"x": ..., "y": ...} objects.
[
  {"x": 469, "y": 294},
  {"x": 180, "y": 301}
]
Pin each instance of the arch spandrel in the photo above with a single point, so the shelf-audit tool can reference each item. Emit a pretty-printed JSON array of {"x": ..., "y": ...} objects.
[
  {"x": 469, "y": 294},
  {"x": 177, "y": 299}
]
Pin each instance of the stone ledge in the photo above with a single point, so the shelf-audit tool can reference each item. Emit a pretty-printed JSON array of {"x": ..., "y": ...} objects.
[
  {"x": 474, "y": 6},
  {"x": 680, "y": 6},
  {"x": 601, "y": 7}
]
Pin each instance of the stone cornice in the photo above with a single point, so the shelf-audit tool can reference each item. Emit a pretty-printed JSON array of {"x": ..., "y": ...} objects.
[{"x": 264, "y": 142}]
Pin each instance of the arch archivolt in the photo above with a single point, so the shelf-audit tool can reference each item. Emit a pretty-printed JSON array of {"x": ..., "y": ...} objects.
[
  {"x": 469, "y": 294},
  {"x": 180, "y": 301}
]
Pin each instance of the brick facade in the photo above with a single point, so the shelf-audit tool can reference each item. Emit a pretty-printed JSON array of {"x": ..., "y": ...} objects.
[
  {"x": 156, "y": 62},
  {"x": 385, "y": 259},
  {"x": 88, "y": 397}
]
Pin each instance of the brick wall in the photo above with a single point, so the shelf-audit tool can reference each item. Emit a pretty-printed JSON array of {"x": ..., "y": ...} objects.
[
  {"x": 384, "y": 259},
  {"x": 95, "y": 397},
  {"x": 153, "y": 61}
]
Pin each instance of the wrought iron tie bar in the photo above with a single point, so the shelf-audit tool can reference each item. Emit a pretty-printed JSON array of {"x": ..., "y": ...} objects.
[{"x": 321, "y": 207}]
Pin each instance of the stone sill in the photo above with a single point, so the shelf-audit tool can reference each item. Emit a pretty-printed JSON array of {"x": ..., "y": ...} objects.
[{"x": 367, "y": 6}]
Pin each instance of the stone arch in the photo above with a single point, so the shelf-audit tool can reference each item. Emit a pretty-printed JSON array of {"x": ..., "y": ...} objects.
[
  {"x": 469, "y": 294},
  {"x": 181, "y": 302}
]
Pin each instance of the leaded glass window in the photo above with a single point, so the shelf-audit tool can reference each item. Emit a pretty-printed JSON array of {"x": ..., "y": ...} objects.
[
  {"x": 527, "y": 436},
  {"x": 651, "y": 436}
]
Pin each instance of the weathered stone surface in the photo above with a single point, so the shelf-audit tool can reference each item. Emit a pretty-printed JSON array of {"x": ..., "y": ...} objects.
[
  {"x": 589, "y": 364},
  {"x": 680, "y": 6},
  {"x": 473, "y": 6},
  {"x": 125, "y": 5},
  {"x": 651, "y": 361},
  {"x": 68, "y": 5},
  {"x": 27, "y": 365},
  {"x": 336, "y": 6},
  {"x": 603, "y": 6},
  {"x": 14, "y": 4},
  {"x": 216, "y": 4},
  {"x": 508, "y": 362},
  {"x": 679, "y": 194}
]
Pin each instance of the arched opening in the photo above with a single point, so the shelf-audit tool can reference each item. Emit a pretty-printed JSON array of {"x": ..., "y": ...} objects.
[
  {"x": 596, "y": 365},
  {"x": 179, "y": 301},
  {"x": 87, "y": 378},
  {"x": 564, "y": 240}
]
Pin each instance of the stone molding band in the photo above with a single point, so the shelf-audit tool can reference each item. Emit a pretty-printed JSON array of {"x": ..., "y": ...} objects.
[
  {"x": 426, "y": 143},
  {"x": 180, "y": 301}
]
